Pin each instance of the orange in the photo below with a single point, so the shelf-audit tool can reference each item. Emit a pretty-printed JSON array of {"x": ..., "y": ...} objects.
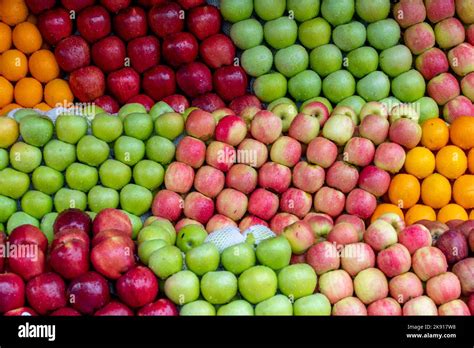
[
  {"x": 452, "y": 212},
  {"x": 462, "y": 132},
  {"x": 9, "y": 131},
  {"x": 13, "y": 65},
  {"x": 28, "y": 92},
  {"x": 420, "y": 162},
  {"x": 463, "y": 191},
  {"x": 385, "y": 208},
  {"x": 419, "y": 212},
  {"x": 471, "y": 216},
  {"x": 451, "y": 162},
  {"x": 8, "y": 108},
  {"x": 13, "y": 12},
  {"x": 5, "y": 37},
  {"x": 470, "y": 161},
  {"x": 404, "y": 190},
  {"x": 27, "y": 38},
  {"x": 435, "y": 134},
  {"x": 43, "y": 66},
  {"x": 58, "y": 92},
  {"x": 6, "y": 92},
  {"x": 436, "y": 191},
  {"x": 42, "y": 107}
]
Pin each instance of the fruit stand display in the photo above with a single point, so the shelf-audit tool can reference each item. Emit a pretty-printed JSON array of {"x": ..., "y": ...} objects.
[{"x": 236, "y": 157}]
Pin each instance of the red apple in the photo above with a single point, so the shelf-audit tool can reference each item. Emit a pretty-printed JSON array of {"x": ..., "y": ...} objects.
[
  {"x": 217, "y": 50},
  {"x": 28, "y": 234},
  {"x": 191, "y": 151},
  {"x": 38, "y": 6},
  {"x": 21, "y": 312},
  {"x": 66, "y": 235},
  {"x": 77, "y": 5},
  {"x": 159, "y": 82},
  {"x": 187, "y": 4},
  {"x": 65, "y": 312},
  {"x": 250, "y": 221},
  {"x": 242, "y": 178},
  {"x": 275, "y": 177},
  {"x": 144, "y": 53},
  {"x": 208, "y": 102},
  {"x": 166, "y": 19},
  {"x": 263, "y": 204},
  {"x": 464, "y": 270},
  {"x": 168, "y": 204},
  {"x": 12, "y": 292},
  {"x": 93, "y": 23},
  {"x": 70, "y": 259},
  {"x": 150, "y": 3},
  {"x": 200, "y": 124},
  {"x": 87, "y": 83},
  {"x": 180, "y": 48},
  {"x": 240, "y": 104},
  {"x": 138, "y": 287},
  {"x": 178, "y": 102},
  {"x": 143, "y": 99},
  {"x": 114, "y": 308},
  {"x": 394, "y": 260},
  {"x": 209, "y": 181},
  {"x": 109, "y": 219},
  {"x": 88, "y": 293},
  {"x": 443, "y": 288},
  {"x": 280, "y": 221},
  {"x": 55, "y": 25},
  {"x": 27, "y": 264},
  {"x": 198, "y": 207},
  {"x": 72, "y": 53},
  {"x": 46, "y": 293},
  {"x": 323, "y": 257},
  {"x": 194, "y": 79},
  {"x": 296, "y": 202},
  {"x": 204, "y": 21},
  {"x": 130, "y": 23},
  {"x": 103, "y": 235},
  {"x": 107, "y": 103},
  {"x": 109, "y": 54},
  {"x": 72, "y": 218},
  {"x": 454, "y": 246},
  {"x": 219, "y": 221},
  {"x": 113, "y": 257},
  {"x": 179, "y": 177},
  {"x": 123, "y": 84},
  {"x": 115, "y": 5},
  {"x": 230, "y": 82},
  {"x": 162, "y": 307}
]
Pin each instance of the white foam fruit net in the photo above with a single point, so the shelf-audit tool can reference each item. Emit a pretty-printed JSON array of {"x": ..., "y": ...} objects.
[{"x": 230, "y": 236}]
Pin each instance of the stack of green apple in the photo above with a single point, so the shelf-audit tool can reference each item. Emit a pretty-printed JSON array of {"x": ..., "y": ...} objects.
[
  {"x": 242, "y": 280},
  {"x": 347, "y": 51},
  {"x": 89, "y": 162}
]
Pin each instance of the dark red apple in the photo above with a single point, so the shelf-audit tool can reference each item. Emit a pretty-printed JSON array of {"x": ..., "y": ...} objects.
[
  {"x": 159, "y": 82},
  {"x": 38, "y": 6},
  {"x": 130, "y": 23},
  {"x": 68, "y": 234},
  {"x": 178, "y": 102},
  {"x": 187, "y": 4},
  {"x": 93, "y": 23},
  {"x": 150, "y": 3},
  {"x": 88, "y": 293},
  {"x": 115, "y": 5},
  {"x": 123, "y": 84},
  {"x": 143, "y": 99},
  {"x": 230, "y": 82},
  {"x": 28, "y": 262},
  {"x": 217, "y": 50},
  {"x": 108, "y": 103},
  {"x": 144, "y": 53},
  {"x": 46, "y": 293},
  {"x": 112, "y": 219},
  {"x": 113, "y": 257},
  {"x": 239, "y": 104},
  {"x": 29, "y": 234},
  {"x": 204, "y": 21},
  {"x": 109, "y": 54},
  {"x": 453, "y": 244},
  {"x": 180, "y": 48},
  {"x": 77, "y": 5},
  {"x": 70, "y": 259},
  {"x": 114, "y": 308},
  {"x": 72, "y": 53},
  {"x": 87, "y": 84},
  {"x": 55, "y": 25},
  {"x": 194, "y": 79},
  {"x": 166, "y": 19},
  {"x": 21, "y": 312},
  {"x": 466, "y": 227},
  {"x": 137, "y": 287},
  {"x": 208, "y": 102},
  {"x": 12, "y": 292},
  {"x": 73, "y": 218},
  {"x": 65, "y": 312},
  {"x": 162, "y": 307},
  {"x": 452, "y": 224},
  {"x": 106, "y": 234}
]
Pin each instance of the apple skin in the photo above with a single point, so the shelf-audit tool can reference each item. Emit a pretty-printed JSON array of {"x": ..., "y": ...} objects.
[
  {"x": 394, "y": 260},
  {"x": 107, "y": 103},
  {"x": 467, "y": 86},
  {"x": 28, "y": 234},
  {"x": 266, "y": 127},
  {"x": 457, "y": 107},
  {"x": 93, "y": 23},
  {"x": 55, "y": 25},
  {"x": 428, "y": 262},
  {"x": 208, "y": 102},
  {"x": 464, "y": 9},
  {"x": 191, "y": 151},
  {"x": 232, "y": 204},
  {"x": 12, "y": 290},
  {"x": 463, "y": 270},
  {"x": 470, "y": 34},
  {"x": 65, "y": 312},
  {"x": 46, "y": 293},
  {"x": 179, "y": 177},
  {"x": 409, "y": 12},
  {"x": 200, "y": 124},
  {"x": 162, "y": 307},
  {"x": 242, "y": 178},
  {"x": 349, "y": 306},
  {"x": 114, "y": 308},
  {"x": 230, "y": 82},
  {"x": 109, "y": 219},
  {"x": 209, "y": 181},
  {"x": 77, "y": 5},
  {"x": 389, "y": 157},
  {"x": 165, "y": 19},
  {"x": 194, "y": 79},
  {"x": 198, "y": 207},
  {"x": 89, "y": 292},
  {"x": 21, "y": 312},
  {"x": 437, "y": 10},
  {"x": 138, "y": 287},
  {"x": 28, "y": 266},
  {"x": 130, "y": 23},
  {"x": 295, "y": 201},
  {"x": 36, "y": 7},
  {"x": 405, "y": 287},
  {"x": 115, "y": 6},
  {"x": 70, "y": 259},
  {"x": 263, "y": 204},
  {"x": 109, "y": 54},
  {"x": 342, "y": 176},
  {"x": 329, "y": 201},
  {"x": 385, "y": 306},
  {"x": 72, "y": 53},
  {"x": 343, "y": 233},
  {"x": 449, "y": 32},
  {"x": 336, "y": 285},
  {"x": 443, "y": 288},
  {"x": 87, "y": 83},
  {"x": 455, "y": 307},
  {"x": 431, "y": 63},
  {"x": 159, "y": 82},
  {"x": 378, "y": 288},
  {"x": 219, "y": 221},
  {"x": 180, "y": 48},
  {"x": 113, "y": 257},
  {"x": 461, "y": 59},
  {"x": 274, "y": 176},
  {"x": 123, "y": 84},
  {"x": 144, "y": 53},
  {"x": 356, "y": 257},
  {"x": 204, "y": 21},
  {"x": 220, "y": 155},
  {"x": 168, "y": 204},
  {"x": 217, "y": 51}
]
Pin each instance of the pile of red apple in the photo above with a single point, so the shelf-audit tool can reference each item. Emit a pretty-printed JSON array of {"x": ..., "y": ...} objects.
[{"x": 144, "y": 52}]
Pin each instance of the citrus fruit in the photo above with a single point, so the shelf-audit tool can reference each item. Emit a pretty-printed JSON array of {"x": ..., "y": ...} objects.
[
  {"x": 419, "y": 212},
  {"x": 28, "y": 92},
  {"x": 435, "y": 134},
  {"x": 385, "y": 208},
  {"x": 27, "y": 38},
  {"x": 470, "y": 161},
  {"x": 452, "y": 212},
  {"x": 9, "y": 130},
  {"x": 6, "y": 109},
  {"x": 436, "y": 191},
  {"x": 58, "y": 92},
  {"x": 463, "y": 191},
  {"x": 451, "y": 162},
  {"x": 13, "y": 12},
  {"x": 42, "y": 107},
  {"x": 462, "y": 132},
  {"x": 13, "y": 65},
  {"x": 404, "y": 190},
  {"x": 5, "y": 37},
  {"x": 43, "y": 66},
  {"x": 420, "y": 162},
  {"x": 6, "y": 92}
]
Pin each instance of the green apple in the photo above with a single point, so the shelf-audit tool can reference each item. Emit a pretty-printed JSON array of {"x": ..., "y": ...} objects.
[
  {"x": 130, "y": 109},
  {"x": 237, "y": 307},
  {"x": 129, "y": 150},
  {"x": 152, "y": 232},
  {"x": 47, "y": 180},
  {"x": 280, "y": 33},
  {"x": 188, "y": 111},
  {"x": 291, "y": 60},
  {"x": 269, "y": 9},
  {"x": 163, "y": 223},
  {"x": 274, "y": 253},
  {"x": 4, "y": 160},
  {"x": 182, "y": 287},
  {"x": 89, "y": 111},
  {"x": 278, "y": 305},
  {"x": 19, "y": 114},
  {"x": 148, "y": 174},
  {"x": 25, "y": 157},
  {"x": 326, "y": 59},
  {"x": 13, "y": 184},
  {"x": 107, "y": 127},
  {"x": 92, "y": 151},
  {"x": 236, "y": 10},
  {"x": 7, "y": 208},
  {"x": 297, "y": 280},
  {"x": 148, "y": 247},
  {"x": 354, "y": 102},
  {"x": 190, "y": 236},
  {"x": 257, "y": 60},
  {"x": 219, "y": 287},
  {"x": 166, "y": 261},
  {"x": 302, "y": 10},
  {"x": 409, "y": 86},
  {"x": 238, "y": 258},
  {"x": 258, "y": 284},
  {"x": 36, "y": 204},
  {"x": 323, "y": 100},
  {"x": 160, "y": 149},
  {"x": 396, "y": 60},
  {"x": 71, "y": 128},
  {"x": 315, "y": 304},
  {"x": 270, "y": 87},
  {"x": 137, "y": 224},
  {"x": 305, "y": 85},
  {"x": 383, "y": 34},
  {"x": 338, "y": 85},
  {"x": 362, "y": 61},
  {"x": 36, "y": 130},
  {"x": 338, "y": 12},
  {"x": 135, "y": 199},
  {"x": 428, "y": 109},
  {"x": 279, "y": 101},
  {"x": 197, "y": 308},
  {"x": 114, "y": 174},
  {"x": 169, "y": 125},
  {"x": 100, "y": 198},
  {"x": 247, "y": 33},
  {"x": 349, "y": 36},
  {"x": 203, "y": 258},
  {"x": 81, "y": 177},
  {"x": 46, "y": 225},
  {"x": 138, "y": 125},
  {"x": 159, "y": 109},
  {"x": 374, "y": 86},
  {"x": 70, "y": 199},
  {"x": 315, "y": 32},
  {"x": 373, "y": 10},
  {"x": 21, "y": 218},
  {"x": 2, "y": 227},
  {"x": 59, "y": 155}
]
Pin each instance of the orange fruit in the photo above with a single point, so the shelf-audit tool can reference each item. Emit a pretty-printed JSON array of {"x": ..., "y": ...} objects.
[
  {"x": 436, "y": 191},
  {"x": 470, "y": 161},
  {"x": 462, "y": 132},
  {"x": 6, "y": 92},
  {"x": 463, "y": 191},
  {"x": 9, "y": 131},
  {"x": 435, "y": 134},
  {"x": 419, "y": 212},
  {"x": 452, "y": 212},
  {"x": 13, "y": 65},
  {"x": 58, "y": 92},
  {"x": 8, "y": 108},
  {"x": 27, "y": 38},
  {"x": 42, "y": 107},
  {"x": 385, "y": 208},
  {"x": 5, "y": 37},
  {"x": 420, "y": 162},
  {"x": 43, "y": 66},
  {"x": 404, "y": 190},
  {"x": 451, "y": 162},
  {"x": 28, "y": 92},
  {"x": 13, "y": 12}
]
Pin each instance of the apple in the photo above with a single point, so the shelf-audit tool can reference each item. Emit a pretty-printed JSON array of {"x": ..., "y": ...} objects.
[
  {"x": 349, "y": 306},
  {"x": 179, "y": 177},
  {"x": 88, "y": 293},
  {"x": 432, "y": 62},
  {"x": 336, "y": 285},
  {"x": 378, "y": 288},
  {"x": 270, "y": 87},
  {"x": 232, "y": 203},
  {"x": 372, "y": 11},
  {"x": 295, "y": 201},
  {"x": 73, "y": 53},
  {"x": 123, "y": 84},
  {"x": 46, "y": 293},
  {"x": 415, "y": 237},
  {"x": 263, "y": 204},
  {"x": 245, "y": 104},
  {"x": 409, "y": 86},
  {"x": 394, "y": 260},
  {"x": 300, "y": 236},
  {"x": 405, "y": 287},
  {"x": 457, "y": 107},
  {"x": 114, "y": 309},
  {"x": 320, "y": 223},
  {"x": 36, "y": 7},
  {"x": 286, "y": 151},
  {"x": 240, "y": 177},
  {"x": 12, "y": 289},
  {"x": 55, "y": 25},
  {"x": 339, "y": 13},
  {"x": 159, "y": 82},
  {"x": 114, "y": 174},
  {"x": 389, "y": 157},
  {"x": 460, "y": 59},
  {"x": 162, "y": 307},
  {"x": 467, "y": 86},
  {"x": 250, "y": 221},
  {"x": 314, "y": 33},
  {"x": 428, "y": 109},
  {"x": 230, "y": 82},
  {"x": 190, "y": 237},
  {"x": 144, "y": 53},
  {"x": 274, "y": 253},
  {"x": 437, "y": 10},
  {"x": 182, "y": 287},
  {"x": 326, "y": 59},
  {"x": 428, "y": 262},
  {"x": 236, "y": 11},
  {"x": 383, "y": 34},
  {"x": 470, "y": 34},
  {"x": 137, "y": 287},
  {"x": 257, "y": 284},
  {"x": 338, "y": 85},
  {"x": 237, "y": 307},
  {"x": 385, "y": 306},
  {"x": 197, "y": 308},
  {"x": 409, "y": 12},
  {"x": 281, "y": 32},
  {"x": 87, "y": 83},
  {"x": 329, "y": 201},
  {"x": 343, "y": 233},
  {"x": 463, "y": 270},
  {"x": 269, "y": 9},
  {"x": 112, "y": 219},
  {"x": 112, "y": 257},
  {"x": 70, "y": 128},
  {"x": 209, "y": 181},
  {"x": 357, "y": 257},
  {"x": 194, "y": 79},
  {"x": 203, "y": 259},
  {"x": 93, "y": 23},
  {"x": 180, "y": 48},
  {"x": 220, "y": 155},
  {"x": 322, "y": 152},
  {"x": 207, "y": 102},
  {"x": 204, "y": 21},
  {"x": 380, "y": 235},
  {"x": 443, "y": 288},
  {"x": 130, "y": 23},
  {"x": 295, "y": 54},
  {"x": 349, "y": 36},
  {"x": 219, "y": 287},
  {"x": 7, "y": 208},
  {"x": 455, "y": 33},
  {"x": 455, "y": 307},
  {"x": 65, "y": 312},
  {"x": 278, "y": 305},
  {"x": 308, "y": 177},
  {"x": 274, "y": 176},
  {"x": 238, "y": 258},
  {"x": 419, "y": 38},
  {"x": 280, "y": 221},
  {"x": 138, "y": 126},
  {"x": 342, "y": 176},
  {"x": 443, "y": 88},
  {"x": 363, "y": 61},
  {"x": 463, "y": 10},
  {"x": 323, "y": 257},
  {"x": 158, "y": 149},
  {"x": 296, "y": 281},
  {"x": 247, "y": 33},
  {"x": 258, "y": 149}
]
